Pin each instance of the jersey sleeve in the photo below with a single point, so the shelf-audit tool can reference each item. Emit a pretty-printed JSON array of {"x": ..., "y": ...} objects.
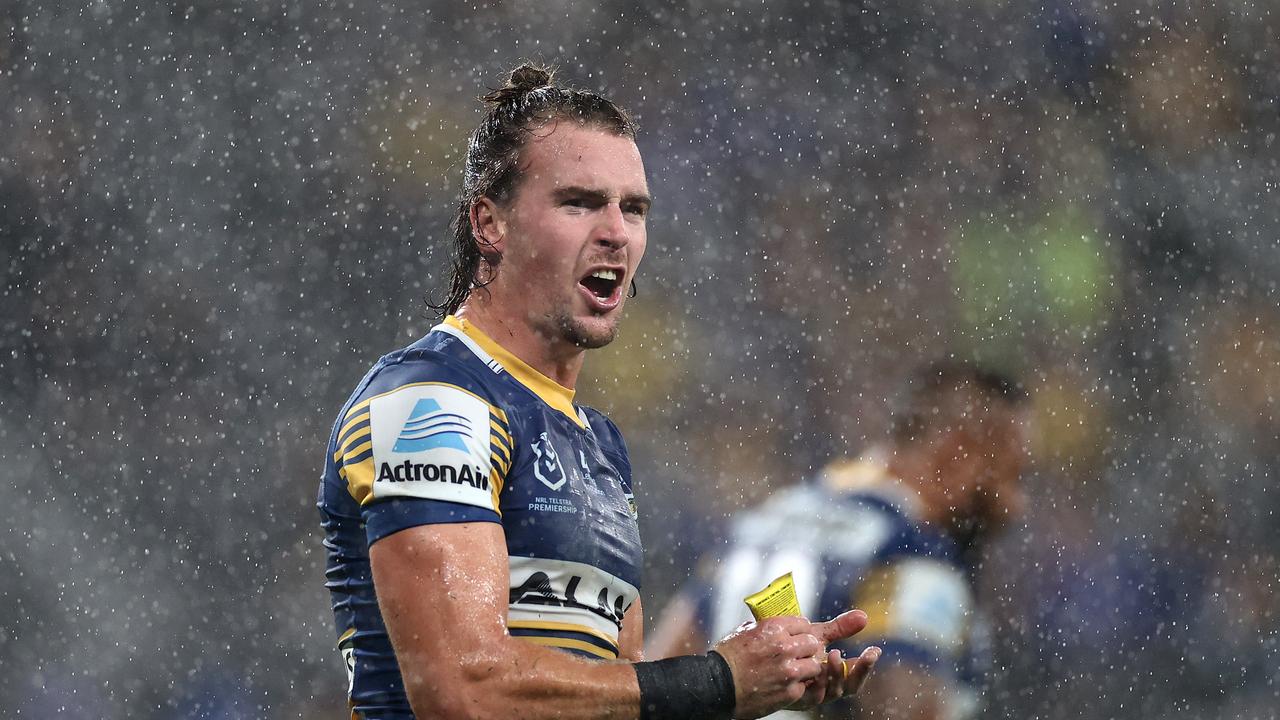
[
  {"x": 423, "y": 444},
  {"x": 918, "y": 611}
]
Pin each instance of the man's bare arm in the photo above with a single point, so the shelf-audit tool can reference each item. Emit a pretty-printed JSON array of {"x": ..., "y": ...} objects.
[
  {"x": 443, "y": 594},
  {"x": 631, "y": 639}
]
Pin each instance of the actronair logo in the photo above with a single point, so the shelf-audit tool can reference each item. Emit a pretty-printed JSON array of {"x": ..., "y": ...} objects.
[
  {"x": 432, "y": 441},
  {"x": 429, "y": 427},
  {"x": 409, "y": 471}
]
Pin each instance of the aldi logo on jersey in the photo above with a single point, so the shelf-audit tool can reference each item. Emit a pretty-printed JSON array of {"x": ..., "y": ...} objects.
[
  {"x": 432, "y": 441},
  {"x": 429, "y": 427}
]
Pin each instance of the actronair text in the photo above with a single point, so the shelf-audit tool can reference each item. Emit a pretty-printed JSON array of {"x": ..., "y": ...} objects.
[{"x": 408, "y": 471}]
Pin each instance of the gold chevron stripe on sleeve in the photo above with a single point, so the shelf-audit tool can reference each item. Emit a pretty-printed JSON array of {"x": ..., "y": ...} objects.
[
  {"x": 368, "y": 443},
  {"x": 345, "y": 450},
  {"x": 360, "y": 436},
  {"x": 497, "y": 481},
  {"x": 501, "y": 432},
  {"x": 352, "y": 421},
  {"x": 498, "y": 464},
  {"x": 359, "y": 479},
  {"x": 502, "y": 454}
]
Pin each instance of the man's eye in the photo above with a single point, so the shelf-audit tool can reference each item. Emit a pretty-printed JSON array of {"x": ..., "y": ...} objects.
[
  {"x": 576, "y": 202},
  {"x": 637, "y": 210}
]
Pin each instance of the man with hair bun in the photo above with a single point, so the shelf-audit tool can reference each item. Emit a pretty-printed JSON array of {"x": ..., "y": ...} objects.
[
  {"x": 897, "y": 531},
  {"x": 483, "y": 553}
]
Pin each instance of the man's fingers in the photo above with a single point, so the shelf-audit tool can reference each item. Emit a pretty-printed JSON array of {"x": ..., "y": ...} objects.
[
  {"x": 792, "y": 624},
  {"x": 861, "y": 668},
  {"x": 818, "y": 688},
  {"x": 820, "y": 683},
  {"x": 841, "y": 626},
  {"x": 804, "y": 645},
  {"x": 810, "y": 668},
  {"x": 837, "y": 672},
  {"x": 837, "y": 666}
]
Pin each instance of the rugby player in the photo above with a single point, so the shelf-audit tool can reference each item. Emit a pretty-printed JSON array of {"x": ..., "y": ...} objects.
[
  {"x": 483, "y": 553},
  {"x": 897, "y": 532}
]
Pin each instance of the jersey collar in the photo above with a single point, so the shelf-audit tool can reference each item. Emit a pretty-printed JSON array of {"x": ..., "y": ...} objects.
[{"x": 554, "y": 394}]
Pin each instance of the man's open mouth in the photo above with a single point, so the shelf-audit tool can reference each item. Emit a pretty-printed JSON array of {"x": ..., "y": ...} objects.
[{"x": 603, "y": 283}]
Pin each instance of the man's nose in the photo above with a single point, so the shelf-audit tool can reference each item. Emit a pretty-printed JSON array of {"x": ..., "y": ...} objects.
[{"x": 612, "y": 229}]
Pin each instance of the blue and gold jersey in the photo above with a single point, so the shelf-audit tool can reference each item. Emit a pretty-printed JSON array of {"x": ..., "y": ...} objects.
[
  {"x": 455, "y": 429},
  {"x": 852, "y": 539}
]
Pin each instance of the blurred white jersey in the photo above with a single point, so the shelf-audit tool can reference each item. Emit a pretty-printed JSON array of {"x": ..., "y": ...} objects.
[{"x": 852, "y": 539}]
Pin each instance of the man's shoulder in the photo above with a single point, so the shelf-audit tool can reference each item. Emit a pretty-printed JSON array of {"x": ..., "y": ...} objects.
[
  {"x": 423, "y": 424},
  {"x": 433, "y": 360},
  {"x": 426, "y": 381}
]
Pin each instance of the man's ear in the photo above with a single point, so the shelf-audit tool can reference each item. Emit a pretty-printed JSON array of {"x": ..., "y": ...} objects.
[{"x": 488, "y": 227}]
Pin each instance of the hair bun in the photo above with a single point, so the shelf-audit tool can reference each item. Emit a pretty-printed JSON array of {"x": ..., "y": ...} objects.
[
  {"x": 529, "y": 77},
  {"x": 524, "y": 79}
]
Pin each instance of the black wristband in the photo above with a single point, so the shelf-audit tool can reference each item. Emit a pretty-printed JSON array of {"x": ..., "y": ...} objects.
[{"x": 689, "y": 687}]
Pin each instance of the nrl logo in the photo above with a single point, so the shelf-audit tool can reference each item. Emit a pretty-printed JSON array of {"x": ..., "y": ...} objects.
[{"x": 546, "y": 463}]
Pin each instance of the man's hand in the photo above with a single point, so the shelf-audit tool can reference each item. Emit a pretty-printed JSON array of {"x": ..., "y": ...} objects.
[
  {"x": 778, "y": 663},
  {"x": 840, "y": 677}
]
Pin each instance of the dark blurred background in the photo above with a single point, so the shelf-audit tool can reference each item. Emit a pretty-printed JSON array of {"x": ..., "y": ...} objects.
[{"x": 214, "y": 216}]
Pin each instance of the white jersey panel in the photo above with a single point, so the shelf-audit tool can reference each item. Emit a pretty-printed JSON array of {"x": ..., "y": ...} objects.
[
  {"x": 793, "y": 532},
  {"x": 561, "y": 595},
  {"x": 431, "y": 440}
]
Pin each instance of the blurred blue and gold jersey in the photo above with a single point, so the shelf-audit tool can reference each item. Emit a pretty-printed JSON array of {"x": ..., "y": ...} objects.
[
  {"x": 852, "y": 539},
  {"x": 455, "y": 429}
]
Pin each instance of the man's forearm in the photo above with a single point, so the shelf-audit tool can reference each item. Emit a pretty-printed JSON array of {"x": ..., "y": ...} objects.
[{"x": 516, "y": 678}]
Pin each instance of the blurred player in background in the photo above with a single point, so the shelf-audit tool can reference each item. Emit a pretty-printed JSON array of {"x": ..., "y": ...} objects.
[
  {"x": 897, "y": 532},
  {"x": 494, "y": 516}
]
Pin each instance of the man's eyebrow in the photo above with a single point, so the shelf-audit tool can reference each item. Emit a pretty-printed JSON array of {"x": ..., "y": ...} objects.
[
  {"x": 643, "y": 198},
  {"x": 597, "y": 194}
]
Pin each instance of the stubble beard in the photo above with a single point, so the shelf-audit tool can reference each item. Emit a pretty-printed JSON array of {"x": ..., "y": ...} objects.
[{"x": 577, "y": 333}]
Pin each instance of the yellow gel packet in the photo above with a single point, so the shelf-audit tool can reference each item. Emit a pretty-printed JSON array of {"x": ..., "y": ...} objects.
[{"x": 777, "y": 599}]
